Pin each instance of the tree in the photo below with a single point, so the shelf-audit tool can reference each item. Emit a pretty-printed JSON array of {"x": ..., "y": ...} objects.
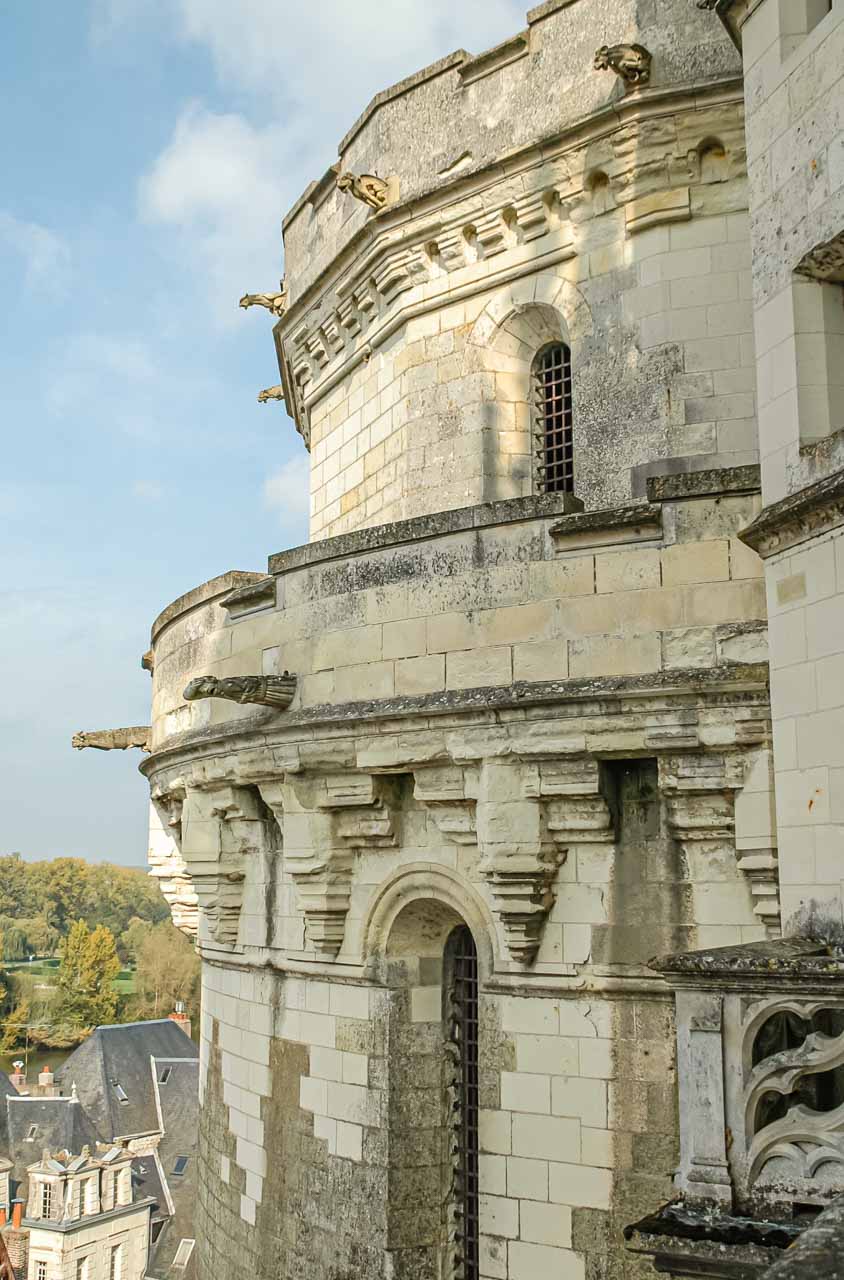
[
  {"x": 85, "y": 994},
  {"x": 167, "y": 970},
  {"x": 132, "y": 938},
  {"x": 14, "y": 1027}
]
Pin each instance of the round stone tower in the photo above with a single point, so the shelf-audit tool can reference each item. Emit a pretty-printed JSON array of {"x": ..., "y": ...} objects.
[{"x": 443, "y": 780}]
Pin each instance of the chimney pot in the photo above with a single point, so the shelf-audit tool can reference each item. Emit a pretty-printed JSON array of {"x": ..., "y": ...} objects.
[{"x": 17, "y": 1212}]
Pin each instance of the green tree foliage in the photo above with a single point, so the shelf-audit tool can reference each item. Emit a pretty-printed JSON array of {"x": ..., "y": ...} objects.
[
  {"x": 69, "y": 889},
  {"x": 85, "y": 996},
  {"x": 167, "y": 970}
]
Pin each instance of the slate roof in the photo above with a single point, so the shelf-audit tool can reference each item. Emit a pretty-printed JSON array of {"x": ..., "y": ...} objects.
[
  {"x": 114, "y": 1082},
  {"x": 60, "y": 1124},
  {"x": 178, "y": 1103}
]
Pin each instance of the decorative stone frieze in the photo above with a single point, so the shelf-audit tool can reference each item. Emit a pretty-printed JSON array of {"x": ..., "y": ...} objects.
[
  {"x": 265, "y": 691},
  {"x": 166, "y": 862},
  {"x": 630, "y": 62},
  {"x": 113, "y": 739},
  {"x": 221, "y": 828}
]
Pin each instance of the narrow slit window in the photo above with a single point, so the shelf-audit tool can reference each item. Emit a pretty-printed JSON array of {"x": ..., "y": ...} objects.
[
  {"x": 462, "y": 977},
  {"x": 552, "y": 390}
]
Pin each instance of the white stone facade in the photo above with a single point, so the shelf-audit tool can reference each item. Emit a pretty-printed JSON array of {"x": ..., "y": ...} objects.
[{"x": 543, "y": 716}]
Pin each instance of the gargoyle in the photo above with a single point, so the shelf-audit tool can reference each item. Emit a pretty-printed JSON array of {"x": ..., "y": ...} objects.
[
  {"x": 632, "y": 62},
  {"x": 271, "y": 393},
  {"x": 367, "y": 187},
  {"x": 266, "y": 691},
  {"x": 274, "y": 302},
  {"x": 113, "y": 739}
]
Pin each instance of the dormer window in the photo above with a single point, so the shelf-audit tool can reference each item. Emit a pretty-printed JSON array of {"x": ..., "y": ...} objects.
[
  {"x": 553, "y": 419},
  {"x": 121, "y": 1094},
  {"x": 32, "y": 1133}
]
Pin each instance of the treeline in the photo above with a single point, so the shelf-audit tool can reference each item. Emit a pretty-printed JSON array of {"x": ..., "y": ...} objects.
[
  {"x": 85, "y": 922},
  {"x": 84, "y": 993},
  {"x": 39, "y": 901}
]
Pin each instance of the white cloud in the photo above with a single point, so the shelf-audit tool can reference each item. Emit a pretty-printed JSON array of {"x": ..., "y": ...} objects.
[
  {"x": 45, "y": 255},
  {"x": 148, "y": 490},
  {"x": 287, "y": 490},
  {"x": 218, "y": 183}
]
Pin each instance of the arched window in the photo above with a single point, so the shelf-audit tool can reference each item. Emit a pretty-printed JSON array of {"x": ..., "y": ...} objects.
[
  {"x": 553, "y": 419},
  {"x": 461, "y": 991}
]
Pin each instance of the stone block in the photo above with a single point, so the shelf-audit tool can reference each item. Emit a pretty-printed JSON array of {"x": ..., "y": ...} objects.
[
  {"x": 415, "y": 677},
  {"x": 544, "y": 660},
  {"x": 494, "y": 1132},
  {"x": 541, "y": 1262},
  {"x": 548, "y": 1224},
  {"x": 525, "y": 1093},
  {"x": 527, "y": 1179},
  {"x": 628, "y": 570},
  {"x": 405, "y": 639},
  {"x": 541, "y": 1137},
  {"x": 585, "y": 1099},
  {"x": 364, "y": 681},
  {"x": 611, "y": 655},
  {"x": 498, "y": 1216},
  {"x": 696, "y": 562},
  {"x": 581, "y": 1186},
  {"x": 553, "y": 1055},
  {"x": 478, "y": 668}
]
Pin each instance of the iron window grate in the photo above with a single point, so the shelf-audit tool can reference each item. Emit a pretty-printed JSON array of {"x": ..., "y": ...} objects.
[
  {"x": 463, "y": 1033},
  {"x": 554, "y": 420}
]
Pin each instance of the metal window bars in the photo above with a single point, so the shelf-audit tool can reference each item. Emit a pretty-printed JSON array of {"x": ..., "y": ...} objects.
[
  {"x": 554, "y": 420},
  {"x": 462, "y": 1011}
]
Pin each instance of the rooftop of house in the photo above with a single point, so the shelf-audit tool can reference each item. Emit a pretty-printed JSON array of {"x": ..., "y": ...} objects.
[{"x": 113, "y": 1075}]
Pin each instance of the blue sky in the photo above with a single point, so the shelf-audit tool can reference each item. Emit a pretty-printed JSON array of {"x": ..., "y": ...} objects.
[{"x": 149, "y": 149}]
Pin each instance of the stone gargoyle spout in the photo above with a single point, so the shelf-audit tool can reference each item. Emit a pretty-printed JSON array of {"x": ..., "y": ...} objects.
[
  {"x": 632, "y": 62},
  {"x": 113, "y": 739},
  {"x": 266, "y": 691}
]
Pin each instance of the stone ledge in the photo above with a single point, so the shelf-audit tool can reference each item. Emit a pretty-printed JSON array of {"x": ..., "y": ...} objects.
[
  {"x": 782, "y": 956},
  {"x": 733, "y": 681},
  {"x": 419, "y": 528},
  {"x": 813, "y": 511},
  {"x": 819, "y": 1253},
  {"x": 213, "y": 589},
  {"x": 615, "y": 524},
  {"x": 703, "y": 484},
  {"x": 255, "y": 595},
  {"x": 683, "y": 1240}
]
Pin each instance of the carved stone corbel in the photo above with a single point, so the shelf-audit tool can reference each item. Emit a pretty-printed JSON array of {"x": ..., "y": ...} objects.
[
  {"x": 326, "y": 820},
  {"x": 450, "y": 795},
  {"x": 221, "y": 828},
  {"x": 165, "y": 859}
]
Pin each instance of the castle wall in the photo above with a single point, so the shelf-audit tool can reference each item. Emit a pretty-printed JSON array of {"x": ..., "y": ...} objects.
[{"x": 793, "y": 67}]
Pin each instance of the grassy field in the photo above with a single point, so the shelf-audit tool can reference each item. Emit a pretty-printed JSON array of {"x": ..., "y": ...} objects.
[{"x": 47, "y": 967}]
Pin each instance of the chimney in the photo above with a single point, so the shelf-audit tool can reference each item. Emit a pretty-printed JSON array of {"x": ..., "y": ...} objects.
[
  {"x": 180, "y": 1017},
  {"x": 17, "y": 1213},
  {"x": 2, "y": 1216},
  {"x": 18, "y": 1076}
]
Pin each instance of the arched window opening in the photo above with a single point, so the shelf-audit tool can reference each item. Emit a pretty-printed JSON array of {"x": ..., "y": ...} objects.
[
  {"x": 712, "y": 161},
  {"x": 553, "y": 417},
  {"x": 461, "y": 1008}
]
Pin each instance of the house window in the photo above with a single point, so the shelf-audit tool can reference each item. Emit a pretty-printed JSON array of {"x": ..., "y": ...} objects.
[
  {"x": 461, "y": 976},
  {"x": 83, "y": 1269},
  {"x": 122, "y": 1096},
  {"x": 40, "y": 1271},
  {"x": 180, "y": 1165},
  {"x": 90, "y": 1195},
  {"x": 33, "y": 1133},
  {"x": 115, "y": 1270},
  {"x": 46, "y": 1200},
  {"x": 183, "y": 1253},
  {"x": 165, "y": 1075},
  {"x": 553, "y": 419}
]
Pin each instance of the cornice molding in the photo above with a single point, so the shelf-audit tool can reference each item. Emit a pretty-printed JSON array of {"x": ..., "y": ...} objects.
[{"x": 814, "y": 511}]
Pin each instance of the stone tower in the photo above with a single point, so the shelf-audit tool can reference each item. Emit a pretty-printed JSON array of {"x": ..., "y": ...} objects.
[{"x": 444, "y": 780}]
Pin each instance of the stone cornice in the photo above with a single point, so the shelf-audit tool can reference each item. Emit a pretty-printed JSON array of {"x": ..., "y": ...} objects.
[
  {"x": 204, "y": 594},
  {"x": 811, "y": 512},
  {"x": 292, "y": 738},
  {"x": 383, "y": 276}
]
